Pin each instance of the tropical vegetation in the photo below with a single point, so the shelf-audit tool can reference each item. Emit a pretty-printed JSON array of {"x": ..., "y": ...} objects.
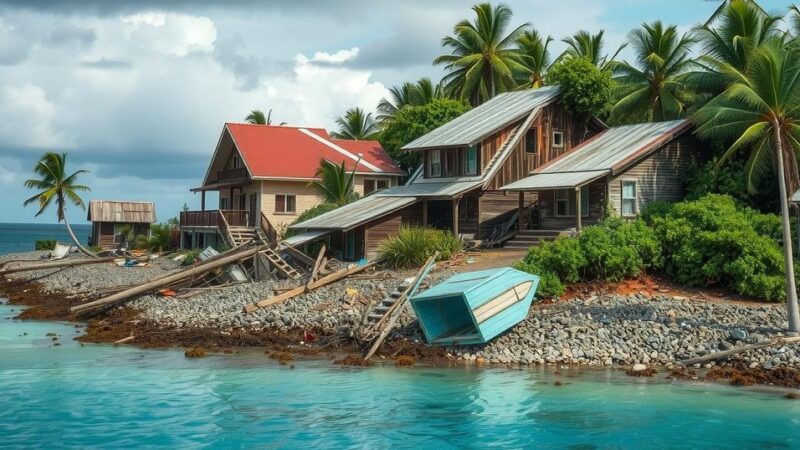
[
  {"x": 411, "y": 246},
  {"x": 334, "y": 183},
  {"x": 55, "y": 185},
  {"x": 257, "y": 117},
  {"x": 356, "y": 125}
]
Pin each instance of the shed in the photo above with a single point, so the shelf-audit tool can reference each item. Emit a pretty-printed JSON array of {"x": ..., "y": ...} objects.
[
  {"x": 109, "y": 218},
  {"x": 474, "y": 307}
]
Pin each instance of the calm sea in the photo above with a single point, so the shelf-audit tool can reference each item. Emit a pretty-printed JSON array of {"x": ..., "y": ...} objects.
[
  {"x": 101, "y": 396},
  {"x": 21, "y": 237}
]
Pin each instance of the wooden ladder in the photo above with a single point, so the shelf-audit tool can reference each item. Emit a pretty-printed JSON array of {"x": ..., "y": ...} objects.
[{"x": 278, "y": 263}]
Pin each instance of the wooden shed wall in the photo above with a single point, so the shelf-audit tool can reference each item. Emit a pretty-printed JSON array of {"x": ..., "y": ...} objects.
[
  {"x": 380, "y": 229},
  {"x": 496, "y": 206},
  {"x": 660, "y": 176}
]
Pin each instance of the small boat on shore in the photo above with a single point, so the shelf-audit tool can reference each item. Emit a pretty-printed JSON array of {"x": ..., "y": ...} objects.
[{"x": 474, "y": 307}]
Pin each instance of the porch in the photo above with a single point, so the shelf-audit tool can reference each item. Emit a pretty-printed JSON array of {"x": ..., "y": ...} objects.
[{"x": 230, "y": 227}]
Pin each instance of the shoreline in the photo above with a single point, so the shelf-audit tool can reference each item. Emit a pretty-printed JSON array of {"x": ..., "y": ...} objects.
[{"x": 606, "y": 324}]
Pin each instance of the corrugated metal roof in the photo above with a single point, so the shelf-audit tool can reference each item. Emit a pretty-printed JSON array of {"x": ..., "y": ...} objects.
[
  {"x": 561, "y": 180},
  {"x": 356, "y": 213},
  {"x": 121, "y": 211},
  {"x": 430, "y": 189},
  {"x": 303, "y": 237},
  {"x": 477, "y": 123},
  {"x": 609, "y": 149}
]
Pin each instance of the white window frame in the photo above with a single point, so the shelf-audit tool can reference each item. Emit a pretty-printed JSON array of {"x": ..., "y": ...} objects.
[
  {"x": 285, "y": 204},
  {"x": 560, "y": 134},
  {"x": 475, "y": 148},
  {"x": 376, "y": 181},
  {"x": 635, "y": 197},
  {"x": 436, "y": 158},
  {"x": 571, "y": 200}
]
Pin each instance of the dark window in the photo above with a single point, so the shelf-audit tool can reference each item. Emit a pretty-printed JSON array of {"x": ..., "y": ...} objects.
[
  {"x": 284, "y": 204},
  {"x": 383, "y": 184},
  {"x": 369, "y": 186},
  {"x": 532, "y": 140},
  {"x": 471, "y": 160},
  {"x": 435, "y": 163}
]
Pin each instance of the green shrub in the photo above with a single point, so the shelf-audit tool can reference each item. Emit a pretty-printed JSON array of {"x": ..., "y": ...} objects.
[
  {"x": 95, "y": 249},
  {"x": 412, "y": 246},
  {"x": 658, "y": 208},
  {"x": 715, "y": 241},
  {"x": 562, "y": 257},
  {"x": 191, "y": 257},
  {"x": 45, "y": 244},
  {"x": 550, "y": 284}
]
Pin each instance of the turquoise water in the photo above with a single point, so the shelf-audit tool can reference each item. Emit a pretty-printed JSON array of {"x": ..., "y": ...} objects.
[
  {"x": 21, "y": 237},
  {"x": 101, "y": 396}
]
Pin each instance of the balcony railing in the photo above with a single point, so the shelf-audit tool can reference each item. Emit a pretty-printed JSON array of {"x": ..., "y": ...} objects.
[
  {"x": 213, "y": 218},
  {"x": 232, "y": 174}
]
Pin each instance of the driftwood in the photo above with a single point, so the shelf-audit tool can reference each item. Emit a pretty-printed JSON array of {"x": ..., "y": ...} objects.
[
  {"x": 734, "y": 351},
  {"x": 124, "y": 340},
  {"x": 167, "y": 280},
  {"x": 296, "y": 254},
  {"x": 336, "y": 276},
  {"x": 56, "y": 265},
  {"x": 399, "y": 304}
]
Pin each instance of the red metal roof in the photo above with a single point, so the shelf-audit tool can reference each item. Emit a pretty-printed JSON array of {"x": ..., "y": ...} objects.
[{"x": 295, "y": 152}]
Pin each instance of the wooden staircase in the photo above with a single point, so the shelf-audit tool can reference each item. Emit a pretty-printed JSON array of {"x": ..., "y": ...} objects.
[
  {"x": 241, "y": 235},
  {"x": 279, "y": 264},
  {"x": 528, "y": 238}
]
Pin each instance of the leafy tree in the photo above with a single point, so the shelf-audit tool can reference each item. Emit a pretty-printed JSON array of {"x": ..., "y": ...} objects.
[
  {"x": 257, "y": 117},
  {"x": 759, "y": 113},
  {"x": 408, "y": 94},
  {"x": 356, "y": 125},
  {"x": 534, "y": 56},
  {"x": 585, "y": 89},
  {"x": 590, "y": 46},
  {"x": 653, "y": 88},
  {"x": 335, "y": 184},
  {"x": 54, "y": 184},
  {"x": 412, "y": 122},
  {"x": 483, "y": 57}
]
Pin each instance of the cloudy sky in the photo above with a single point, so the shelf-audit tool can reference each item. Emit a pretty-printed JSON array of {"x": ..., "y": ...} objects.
[{"x": 138, "y": 94}]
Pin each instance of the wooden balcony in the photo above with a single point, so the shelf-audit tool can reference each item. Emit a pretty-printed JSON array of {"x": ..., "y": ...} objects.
[
  {"x": 232, "y": 175},
  {"x": 214, "y": 218}
]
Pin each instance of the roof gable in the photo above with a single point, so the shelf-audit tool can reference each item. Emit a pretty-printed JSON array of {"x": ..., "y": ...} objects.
[{"x": 121, "y": 211}]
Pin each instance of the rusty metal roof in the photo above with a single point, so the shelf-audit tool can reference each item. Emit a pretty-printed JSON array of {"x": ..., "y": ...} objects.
[
  {"x": 121, "y": 211},
  {"x": 615, "y": 147},
  {"x": 481, "y": 121}
]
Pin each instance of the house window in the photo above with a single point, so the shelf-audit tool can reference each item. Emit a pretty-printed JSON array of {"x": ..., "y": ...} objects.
[
  {"x": 223, "y": 203},
  {"x": 471, "y": 160},
  {"x": 629, "y": 203},
  {"x": 532, "y": 140},
  {"x": 349, "y": 245},
  {"x": 436, "y": 163},
  {"x": 374, "y": 185},
  {"x": 285, "y": 204},
  {"x": 565, "y": 202},
  {"x": 558, "y": 139},
  {"x": 235, "y": 162}
]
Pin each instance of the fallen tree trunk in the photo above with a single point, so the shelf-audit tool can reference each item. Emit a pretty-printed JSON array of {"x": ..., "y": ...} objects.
[
  {"x": 734, "y": 351},
  {"x": 56, "y": 265},
  {"x": 163, "y": 281},
  {"x": 336, "y": 276}
]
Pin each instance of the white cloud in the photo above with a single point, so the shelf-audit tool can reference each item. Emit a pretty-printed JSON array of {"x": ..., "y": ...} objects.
[
  {"x": 170, "y": 33},
  {"x": 27, "y": 117},
  {"x": 335, "y": 58}
]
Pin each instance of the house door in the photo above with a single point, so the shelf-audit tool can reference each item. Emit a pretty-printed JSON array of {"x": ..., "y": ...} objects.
[{"x": 252, "y": 212}]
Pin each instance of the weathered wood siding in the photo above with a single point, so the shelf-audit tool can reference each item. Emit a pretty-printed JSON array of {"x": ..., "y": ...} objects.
[
  {"x": 103, "y": 233},
  {"x": 660, "y": 176},
  {"x": 380, "y": 229},
  {"x": 497, "y": 206},
  {"x": 547, "y": 208}
]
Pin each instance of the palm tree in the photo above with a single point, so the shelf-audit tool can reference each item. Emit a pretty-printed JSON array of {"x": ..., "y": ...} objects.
[
  {"x": 335, "y": 184},
  {"x": 728, "y": 39},
  {"x": 535, "y": 57},
  {"x": 408, "y": 94},
  {"x": 483, "y": 56},
  {"x": 356, "y": 125},
  {"x": 257, "y": 117},
  {"x": 758, "y": 111},
  {"x": 54, "y": 183},
  {"x": 653, "y": 89},
  {"x": 590, "y": 46}
]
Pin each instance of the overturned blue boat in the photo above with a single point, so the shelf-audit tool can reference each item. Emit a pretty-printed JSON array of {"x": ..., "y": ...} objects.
[{"x": 474, "y": 307}]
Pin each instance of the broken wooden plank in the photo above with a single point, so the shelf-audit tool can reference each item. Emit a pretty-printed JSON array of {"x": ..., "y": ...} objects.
[
  {"x": 316, "y": 267},
  {"x": 725, "y": 353},
  {"x": 56, "y": 265},
  {"x": 162, "y": 282},
  {"x": 297, "y": 254},
  {"x": 336, "y": 276}
]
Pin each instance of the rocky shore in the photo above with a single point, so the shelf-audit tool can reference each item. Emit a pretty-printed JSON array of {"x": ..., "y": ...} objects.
[{"x": 598, "y": 330}]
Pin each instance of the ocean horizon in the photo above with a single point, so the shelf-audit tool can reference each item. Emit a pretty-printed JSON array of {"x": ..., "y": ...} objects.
[{"x": 22, "y": 237}]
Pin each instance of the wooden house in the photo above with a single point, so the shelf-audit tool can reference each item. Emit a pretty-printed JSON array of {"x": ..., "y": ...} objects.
[
  {"x": 512, "y": 170},
  {"x": 110, "y": 218},
  {"x": 263, "y": 176}
]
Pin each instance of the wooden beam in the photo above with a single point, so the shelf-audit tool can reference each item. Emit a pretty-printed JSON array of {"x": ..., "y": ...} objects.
[
  {"x": 56, "y": 265},
  {"x": 316, "y": 267},
  {"x": 520, "y": 206},
  {"x": 723, "y": 354},
  {"x": 455, "y": 217},
  {"x": 425, "y": 213},
  {"x": 202, "y": 200},
  {"x": 578, "y": 212}
]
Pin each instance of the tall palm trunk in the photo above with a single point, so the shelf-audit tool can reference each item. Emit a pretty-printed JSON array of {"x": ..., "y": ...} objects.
[{"x": 788, "y": 260}]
